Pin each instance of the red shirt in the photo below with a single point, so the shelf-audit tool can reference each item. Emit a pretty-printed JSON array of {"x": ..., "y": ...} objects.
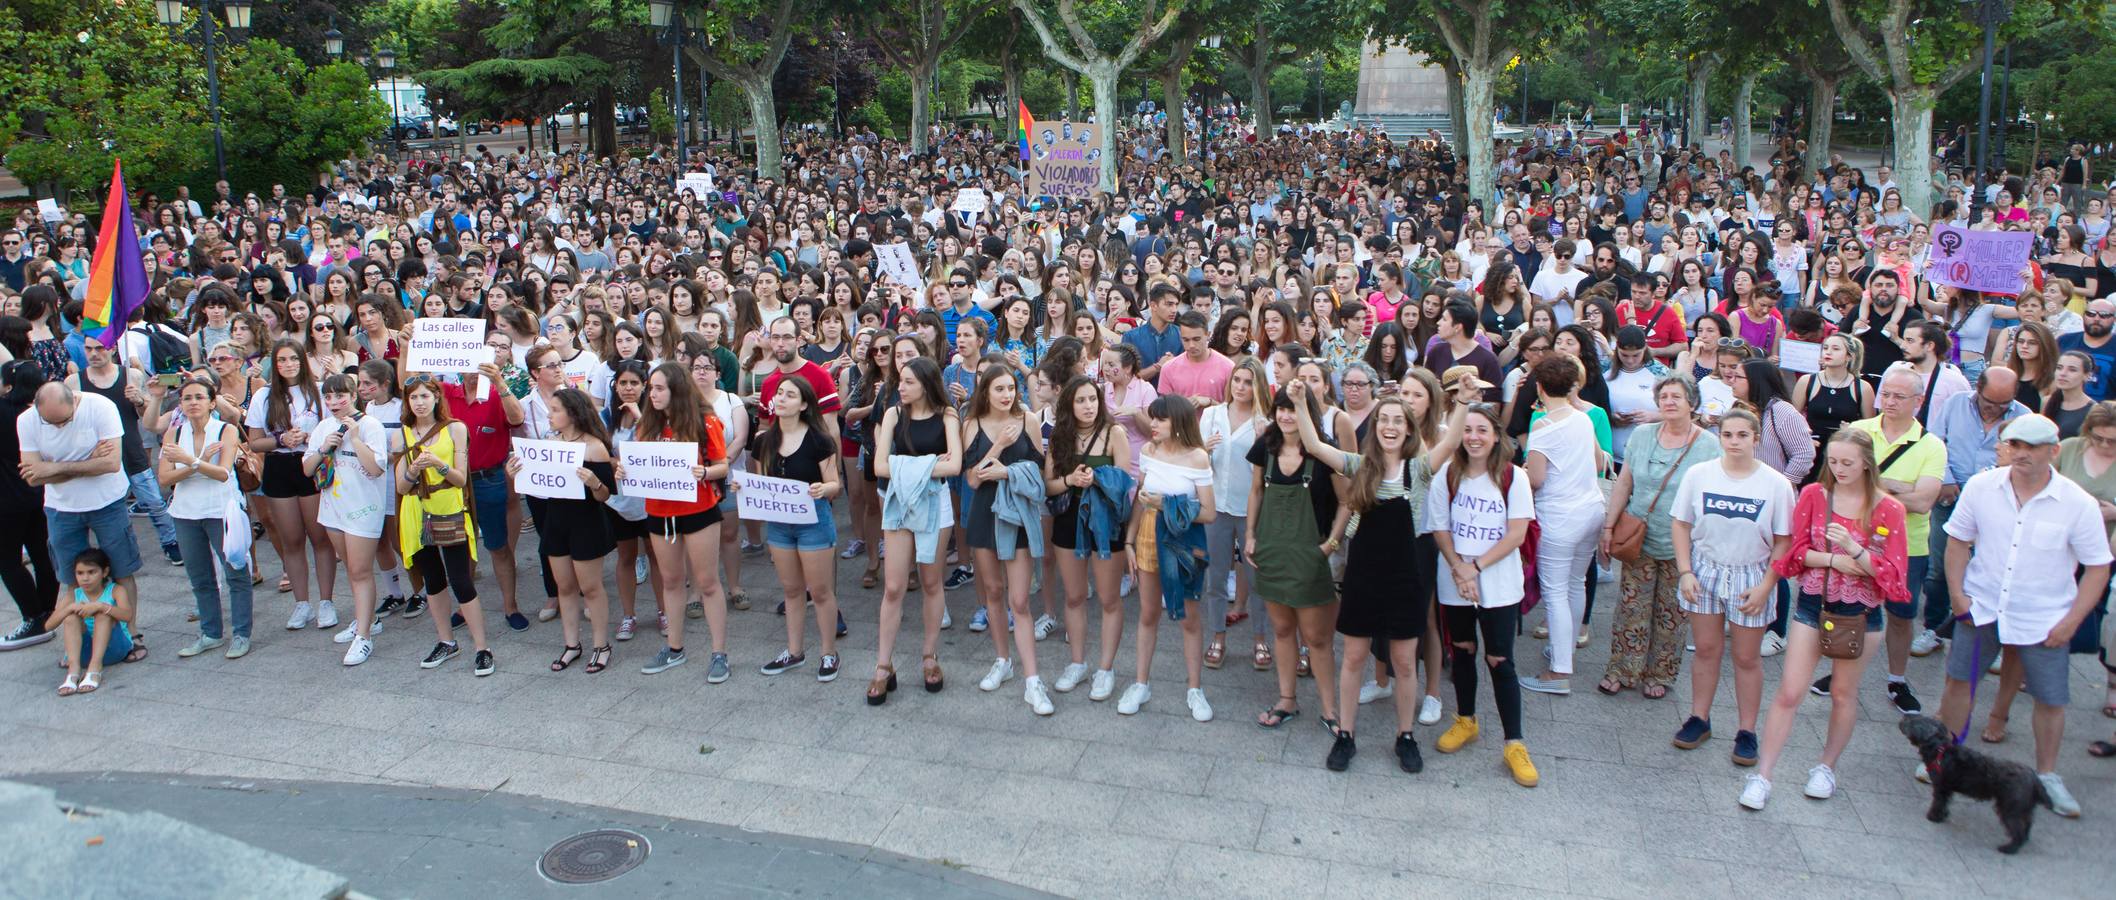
[
  {"x": 714, "y": 447},
  {"x": 817, "y": 377},
  {"x": 1664, "y": 324},
  {"x": 485, "y": 420}
]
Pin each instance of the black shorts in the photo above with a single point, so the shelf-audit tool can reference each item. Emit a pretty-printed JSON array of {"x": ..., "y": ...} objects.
[
  {"x": 572, "y": 536},
  {"x": 283, "y": 477},
  {"x": 667, "y": 526},
  {"x": 623, "y": 529}
]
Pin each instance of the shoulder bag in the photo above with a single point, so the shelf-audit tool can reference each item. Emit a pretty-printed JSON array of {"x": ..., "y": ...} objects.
[
  {"x": 1627, "y": 539},
  {"x": 1843, "y": 634},
  {"x": 437, "y": 529}
]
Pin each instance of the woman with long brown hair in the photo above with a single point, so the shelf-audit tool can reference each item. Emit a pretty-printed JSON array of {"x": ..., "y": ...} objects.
[
  {"x": 279, "y": 421},
  {"x": 433, "y": 487},
  {"x": 686, "y": 541},
  {"x": 1084, "y": 440}
]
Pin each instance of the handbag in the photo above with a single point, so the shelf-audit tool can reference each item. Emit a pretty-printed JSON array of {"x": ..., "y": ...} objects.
[
  {"x": 437, "y": 529},
  {"x": 327, "y": 470},
  {"x": 1627, "y": 538},
  {"x": 1843, "y": 634}
]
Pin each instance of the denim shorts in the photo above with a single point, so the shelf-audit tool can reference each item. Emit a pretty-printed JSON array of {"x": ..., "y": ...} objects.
[
  {"x": 490, "y": 494},
  {"x": 112, "y": 529},
  {"x": 1807, "y": 610},
  {"x": 2047, "y": 670},
  {"x": 120, "y": 646},
  {"x": 819, "y": 535}
]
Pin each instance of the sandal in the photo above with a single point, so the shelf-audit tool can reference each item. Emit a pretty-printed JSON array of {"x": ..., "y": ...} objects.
[
  {"x": 1610, "y": 686},
  {"x": 869, "y": 579},
  {"x": 1302, "y": 669},
  {"x": 566, "y": 658},
  {"x": 1216, "y": 651},
  {"x": 285, "y": 584},
  {"x": 1236, "y": 617},
  {"x": 929, "y": 669},
  {"x": 1263, "y": 657},
  {"x": 139, "y": 652},
  {"x": 1274, "y": 717},
  {"x": 90, "y": 682},
  {"x": 1994, "y": 730},
  {"x": 598, "y": 660},
  {"x": 73, "y": 686},
  {"x": 2108, "y": 702},
  {"x": 881, "y": 686},
  {"x": 1653, "y": 691},
  {"x": 2102, "y": 749},
  {"x": 1330, "y": 725},
  {"x": 739, "y": 600}
]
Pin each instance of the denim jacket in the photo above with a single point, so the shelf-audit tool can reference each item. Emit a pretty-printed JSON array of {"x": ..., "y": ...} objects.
[
  {"x": 913, "y": 502},
  {"x": 1018, "y": 509},
  {"x": 1179, "y": 546},
  {"x": 1103, "y": 505}
]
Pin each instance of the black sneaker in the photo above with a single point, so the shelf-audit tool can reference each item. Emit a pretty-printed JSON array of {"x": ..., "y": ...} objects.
[
  {"x": 389, "y": 607},
  {"x": 1695, "y": 731},
  {"x": 456, "y": 620},
  {"x": 779, "y": 610},
  {"x": 828, "y": 671},
  {"x": 961, "y": 576},
  {"x": 27, "y": 634},
  {"x": 1905, "y": 701},
  {"x": 1407, "y": 754},
  {"x": 1341, "y": 752},
  {"x": 783, "y": 662},
  {"x": 414, "y": 606},
  {"x": 173, "y": 553},
  {"x": 1744, "y": 748},
  {"x": 443, "y": 651},
  {"x": 842, "y": 630},
  {"x": 482, "y": 665},
  {"x": 1821, "y": 686}
]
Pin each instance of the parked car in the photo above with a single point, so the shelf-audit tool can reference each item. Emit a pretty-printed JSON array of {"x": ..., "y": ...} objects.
[{"x": 411, "y": 127}]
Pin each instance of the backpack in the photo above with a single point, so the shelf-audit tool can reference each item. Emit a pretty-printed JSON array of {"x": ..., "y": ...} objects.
[{"x": 168, "y": 353}]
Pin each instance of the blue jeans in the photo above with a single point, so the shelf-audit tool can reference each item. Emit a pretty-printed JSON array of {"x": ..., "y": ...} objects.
[
  {"x": 112, "y": 528},
  {"x": 200, "y": 541},
  {"x": 490, "y": 495},
  {"x": 1939, "y": 600},
  {"x": 148, "y": 494}
]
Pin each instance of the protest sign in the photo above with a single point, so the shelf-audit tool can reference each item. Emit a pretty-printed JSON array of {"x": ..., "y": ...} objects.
[
  {"x": 49, "y": 210},
  {"x": 971, "y": 200},
  {"x": 897, "y": 262},
  {"x": 698, "y": 184},
  {"x": 1799, "y": 356},
  {"x": 763, "y": 498},
  {"x": 1714, "y": 397},
  {"x": 658, "y": 470},
  {"x": 1064, "y": 162},
  {"x": 447, "y": 345},
  {"x": 550, "y": 469},
  {"x": 1987, "y": 261}
]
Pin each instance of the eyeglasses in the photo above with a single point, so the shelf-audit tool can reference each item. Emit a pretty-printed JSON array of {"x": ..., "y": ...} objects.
[
  {"x": 958, "y": 284},
  {"x": 1361, "y": 384},
  {"x": 2100, "y": 315},
  {"x": 220, "y": 359}
]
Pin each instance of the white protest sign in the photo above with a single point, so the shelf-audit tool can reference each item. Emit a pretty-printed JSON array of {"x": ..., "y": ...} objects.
[
  {"x": 697, "y": 183},
  {"x": 1987, "y": 261},
  {"x": 48, "y": 209},
  {"x": 658, "y": 470},
  {"x": 1799, "y": 356},
  {"x": 550, "y": 469},
  {"x": 1714, "y": 397},
  {"x": 763, "y": 498},
  {"x": 447, "y": 345},
  {"x": 971, "y": 200},
  {"x": 897, "y": 262}
]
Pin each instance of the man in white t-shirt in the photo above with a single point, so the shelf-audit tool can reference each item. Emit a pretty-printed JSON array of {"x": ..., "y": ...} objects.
[
  {"x": 1557, "y": 283},
  {"x": 70, "y": 447}
]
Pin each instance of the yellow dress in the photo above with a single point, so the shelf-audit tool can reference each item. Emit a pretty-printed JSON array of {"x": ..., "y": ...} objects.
[{"x": 445, "y": 499}]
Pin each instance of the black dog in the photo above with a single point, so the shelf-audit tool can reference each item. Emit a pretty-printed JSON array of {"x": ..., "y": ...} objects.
[{"x": 1955, "y": 769}]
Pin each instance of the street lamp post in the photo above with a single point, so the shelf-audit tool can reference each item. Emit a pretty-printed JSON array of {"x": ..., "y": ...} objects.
[
  {"x": 673, "y": 33},
  {"x": 171, "y": 14},
  {"x": 386, "y": 60},
  {"x": 1988, "y": 14}
]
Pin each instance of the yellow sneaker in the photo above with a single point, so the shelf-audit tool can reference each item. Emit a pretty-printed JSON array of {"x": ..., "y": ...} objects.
[
  {"x": 1517, "y": 760},
  {"x": 1462, "y": 732}
]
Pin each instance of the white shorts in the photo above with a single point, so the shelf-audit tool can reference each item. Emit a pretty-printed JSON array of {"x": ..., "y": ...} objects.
[{"x": 1722, "y": 587}]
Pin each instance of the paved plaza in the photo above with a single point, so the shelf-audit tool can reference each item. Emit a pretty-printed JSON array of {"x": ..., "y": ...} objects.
[{"x": 1083, "y": 803}]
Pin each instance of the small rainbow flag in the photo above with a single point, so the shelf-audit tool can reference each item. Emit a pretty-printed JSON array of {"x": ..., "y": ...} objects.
[
  {"x": 1022, "y": 129},
  {"x": 117, "y": 279}
]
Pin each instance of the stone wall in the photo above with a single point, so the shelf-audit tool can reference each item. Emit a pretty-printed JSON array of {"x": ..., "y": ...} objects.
[{"x": 1397, "y": 81}]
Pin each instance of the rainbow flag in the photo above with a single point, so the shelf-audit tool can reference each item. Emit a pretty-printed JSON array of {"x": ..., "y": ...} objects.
[
  {"x": 1022, "y": 128},
  {"x": 117, "y": 280}
]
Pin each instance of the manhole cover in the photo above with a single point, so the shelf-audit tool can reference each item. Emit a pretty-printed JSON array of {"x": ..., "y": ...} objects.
[{"x": 593, "y": 856}]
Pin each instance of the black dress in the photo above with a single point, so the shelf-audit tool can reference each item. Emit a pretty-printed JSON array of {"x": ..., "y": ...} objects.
[
  {"x": 578, "y": 529},
  {"x": 1388, "y": 584},
  {"x": 979, "y": 522}
]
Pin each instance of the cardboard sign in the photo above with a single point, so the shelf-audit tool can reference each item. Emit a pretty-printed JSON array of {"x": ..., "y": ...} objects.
[
  {"x": 897, "y": 262},
  {"x": 658, "y": 470},
  {"x": 447, "y": 345},
  {"x": 763, "y": 498},
  {"x": 1065, "y": 163},
  {"x": 698, "y": 184},
  {"x": 1987, "y": 261},
  {"x": 48, "y": 209},
  {"x": 1799, "y": 356},
  {"x": 550, "y": 469}
]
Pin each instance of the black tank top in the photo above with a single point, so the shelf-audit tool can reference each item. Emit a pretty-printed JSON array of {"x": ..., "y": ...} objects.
[
  {"x": 132, "y": 453},
  {"x": 920, "y": 437},
  {"x": 1829, "y": 408}
]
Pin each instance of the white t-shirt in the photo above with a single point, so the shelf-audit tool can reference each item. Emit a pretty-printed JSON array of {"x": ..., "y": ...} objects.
[
  {"x": 1629, "y": 392},
  {"x": 1549, "y": 283},
  {"x": 303, "y": 414},
  {"x": 1732, "y": 520},
  {"x": 1569, "y": 493},
  {"x": 391, "y": 413},
  {"x": 1477, "y": 517},
  {"x": 95, "y": 419},
  {"x": 588, "y": 373},
  {"x": 356, "y": 503},
  {"x": 1230, "y": 461},
  {"x": 197, "y": 497}
]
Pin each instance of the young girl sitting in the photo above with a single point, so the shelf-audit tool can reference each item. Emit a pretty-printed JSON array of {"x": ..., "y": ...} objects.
[{"x": 97, "y": 601}]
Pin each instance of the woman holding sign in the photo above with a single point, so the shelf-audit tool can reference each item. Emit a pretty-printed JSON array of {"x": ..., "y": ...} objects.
[
  {"x": 349, "y": 461},
  {"x": 435, "y": 529},
  {"x": 798, "y": 447},
  {"x": 575, "y": 534},
  {"x": 686, "y": 531}
]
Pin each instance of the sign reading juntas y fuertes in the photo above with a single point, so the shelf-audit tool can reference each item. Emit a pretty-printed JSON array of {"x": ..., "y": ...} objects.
[{"x": 1065, "y": 163}]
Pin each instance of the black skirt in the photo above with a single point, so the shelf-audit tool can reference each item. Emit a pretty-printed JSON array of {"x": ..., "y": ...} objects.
[{"x": 1388, "y": 576}]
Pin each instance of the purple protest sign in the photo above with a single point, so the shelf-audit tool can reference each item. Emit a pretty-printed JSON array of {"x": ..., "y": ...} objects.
[{"x": 1987, "y": 261}]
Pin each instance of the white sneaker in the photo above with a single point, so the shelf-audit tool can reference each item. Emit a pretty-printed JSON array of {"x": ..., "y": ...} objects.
[
  {"x": 1045, "y": 625},
  {"x": 946, "y": 621},
  {"x": 326, "y": 615},
  {"x": 301, "y": 617},
  {"x": 1372, "y": 691},
  {"x": 1429, "y": 711},
  {"x": 1926, "y": 642},
  {"x": 1103, "y": 684},
  {"x": 352, "y": 630},
  {"x": 639, "y": 570},
  {"x": 1036, "y": 697},
  {"x": 1070, "y": 678},
  {"x": 1230, "y": 581},
  {"x": 358, "y": 653},
  {"x": 2061, "y": 801},
  {"x": 1773, "y": 644},
  {"x": 1134, "y": 697},
  {"x": 1002, "y": 670},
  {"x": 1124, "y": 587},
  {"x": 1921, "y": 775},
  {"x": 1199, "y": 708},
  {"x": 1821, "y": 782},
  {"x": 1756, "y": 792},
  {"x": 1580, "y": 640}
]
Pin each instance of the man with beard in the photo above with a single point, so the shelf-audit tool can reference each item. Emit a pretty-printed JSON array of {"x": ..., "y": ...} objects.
[
  {"x": 785, "y": 342},
  {"x": 2095, "y": 342},
  {"x": 1607, "y": 267},
  {"x": 1882, "y": 327}
]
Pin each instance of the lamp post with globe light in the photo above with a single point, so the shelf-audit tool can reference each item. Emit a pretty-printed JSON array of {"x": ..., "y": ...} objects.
[{"x": 171, "y": 14}]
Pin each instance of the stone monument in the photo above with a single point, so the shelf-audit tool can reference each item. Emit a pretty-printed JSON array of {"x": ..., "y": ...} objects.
[{"x": 1396, "y": 81}]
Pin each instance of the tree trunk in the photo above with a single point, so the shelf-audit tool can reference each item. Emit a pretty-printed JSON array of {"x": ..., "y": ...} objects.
[
  {"x": 1701, "y": 73},
  {"x": 1744, "y": 105},
  {"x": 1475, "y": 141},
  {"x": 1172, "y": 101},
  {"x": 603, "y": 136},
  {"x": 1010, "y": 84},
  {"x": 1821, "y": 118},
  {"x": 1071, "y": 81},
  {"x": 764, "y": 120},
  {"x": 1103, "y": 79},
  {"x": 1457, "y": 118},
  {"x": 1910, "y": 112},
  {"x": 921, "y": 106},
  {"x": 1260, "y": 95}
]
